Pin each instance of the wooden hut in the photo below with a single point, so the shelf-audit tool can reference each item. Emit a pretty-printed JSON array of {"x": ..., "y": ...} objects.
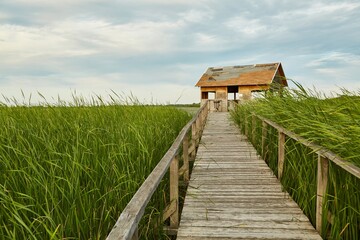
[{"x": 227, "y": 85}]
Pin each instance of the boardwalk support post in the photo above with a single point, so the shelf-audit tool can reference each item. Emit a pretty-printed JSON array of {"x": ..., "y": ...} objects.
[
  {"x": 281, "y": 154},
  {"x": 322, "y": 179}
]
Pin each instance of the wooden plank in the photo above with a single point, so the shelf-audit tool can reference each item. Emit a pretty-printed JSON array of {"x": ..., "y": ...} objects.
[
  {"x": 192, "y": 149},
  {"x": 284, "y": 203},
  {"x": 181, "y": 171},
  {"x": 254, "y": 224},
  {"x": 322, "y": 180},
  {"x": 169, "y": 210},
  {"x": 235, "y": 187},
  {"x": 279, "y": 217},
  {"x": 247, "y": 233},
  {"x": 243, "y": 211}
]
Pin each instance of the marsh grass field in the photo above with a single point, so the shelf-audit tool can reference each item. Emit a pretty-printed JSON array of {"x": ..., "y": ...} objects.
[
  {"x": 331, "y": 122},
  {"x": 66, "y": 172}
]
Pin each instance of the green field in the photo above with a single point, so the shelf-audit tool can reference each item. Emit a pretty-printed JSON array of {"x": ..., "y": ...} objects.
[
  {"x": 67, "y": 172},
  {"x": 331, "y": 122}
]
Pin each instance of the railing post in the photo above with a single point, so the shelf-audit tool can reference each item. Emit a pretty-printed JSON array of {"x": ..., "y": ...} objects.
[
  {"x": 203, "y": 118},
  {"x": 263, "y": 138},
  {"x": 322, "y": 179},
  {"x": 186, "y": 157},
  {"x": 198, "y": 129},
  {"x": 174, "y": 192},
  {"x": 281, "y": 154},
  {"x": 136, "y": 235}
]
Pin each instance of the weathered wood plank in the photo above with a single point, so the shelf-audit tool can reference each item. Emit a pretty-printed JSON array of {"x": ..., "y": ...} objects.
[
  {"x": 281, "y": 154},
  {"x": 284, "y": 203},
  {"x": 247, "y": 233},
  {"x": 253, "y": 224},
  {"x": 232, "y": 193},
  {"x": 322, "y": 180},
  {"x": 243, "y": 211}
]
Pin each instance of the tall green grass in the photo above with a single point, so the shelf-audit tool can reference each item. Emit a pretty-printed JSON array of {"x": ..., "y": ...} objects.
[
  {"x": 66, "y": 172},
  {"x": 331, "y": 122}
]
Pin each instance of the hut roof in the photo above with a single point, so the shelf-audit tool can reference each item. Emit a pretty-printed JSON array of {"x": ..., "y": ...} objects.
[{"x": 257, "y": 74}]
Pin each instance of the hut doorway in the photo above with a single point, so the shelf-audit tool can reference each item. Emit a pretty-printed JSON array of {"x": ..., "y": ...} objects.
[{"x": 233, "y": 96}]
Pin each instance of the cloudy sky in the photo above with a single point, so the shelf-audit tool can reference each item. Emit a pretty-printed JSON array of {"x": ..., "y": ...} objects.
[{"x": 158, "y": 49}]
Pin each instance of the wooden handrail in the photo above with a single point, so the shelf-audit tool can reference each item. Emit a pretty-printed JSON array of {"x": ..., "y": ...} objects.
[
  {"x": 127, "y": 224},
  {"x": 346, "y": 165},
  {"x": 324, "y": 157}
]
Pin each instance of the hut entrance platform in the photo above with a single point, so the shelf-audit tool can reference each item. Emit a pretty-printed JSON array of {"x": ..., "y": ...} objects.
[{"x": 233, "y": 194}]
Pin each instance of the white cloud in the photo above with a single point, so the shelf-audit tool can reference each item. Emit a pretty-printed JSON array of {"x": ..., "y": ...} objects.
[
  {"x": 318, "y": 11},
  {"x": 21, "y": 44},
  {"x": 174, "y": 2},
  {"x": 208, "y": 43},
  {"x": 50, "y": 3},
  {"x": 324, "y": 8},
  {"x": 197, "y": 15},
  {"x": 92, "y": 45},
  {"x": 249, "y": 27},
  {"x": 335, "y": 58},
  {"x": 74, "y": 38}
]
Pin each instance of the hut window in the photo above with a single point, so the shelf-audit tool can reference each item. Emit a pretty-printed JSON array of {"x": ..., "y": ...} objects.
[
  {"x": 233, "y": 96},
  {"x": 204, "y": 95},
  {"x": 211, "y": 95}
]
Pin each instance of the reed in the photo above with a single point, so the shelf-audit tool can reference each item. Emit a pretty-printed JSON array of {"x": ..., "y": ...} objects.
[
  {"x": 331, "y": 122},
  {"x": 68, "y": 170}
]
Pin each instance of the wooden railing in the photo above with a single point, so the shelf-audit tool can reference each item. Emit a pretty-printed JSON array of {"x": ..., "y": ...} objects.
[
  {"x": 324, "y": 156},
  {"x": 126, "y": 226}
]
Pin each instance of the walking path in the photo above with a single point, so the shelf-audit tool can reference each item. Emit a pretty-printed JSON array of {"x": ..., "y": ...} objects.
[{"x": 233, "y": 194}]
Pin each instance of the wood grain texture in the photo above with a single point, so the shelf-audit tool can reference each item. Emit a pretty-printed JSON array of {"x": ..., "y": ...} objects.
[
  {"x": 232, "y": 193},
  {"x": 281, "y": 154},
  {"x": 322, "y": 182},
  {"x": 174, "y": 191}
]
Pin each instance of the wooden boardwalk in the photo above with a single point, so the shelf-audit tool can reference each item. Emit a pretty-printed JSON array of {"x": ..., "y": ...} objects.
[{"x": 233, "y": 194}]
